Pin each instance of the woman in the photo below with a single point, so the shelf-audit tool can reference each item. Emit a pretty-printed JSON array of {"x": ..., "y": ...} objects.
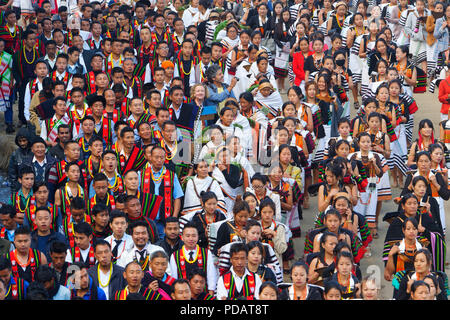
[
  {"x": 199, "y": 94},
  {"x": 209, "y": 214},
  {"x": 243, "y": 71},
  {"x": 300, "y": 288},
  {"x": 312, "y": 102},
  {"x": 328, "y": 242},
  {"x": 218, "y": 90},
  {"x": 196, "y": 185},
  {"x": 282, "y": 188},
  {"x": 379, "y": 77},
  {"x": 367, "y": 44},
  {"x": 401, "y": 255},
  {"x": 426, "y": 138},
  {"x": 395, "y": 13},
  {"x": 231, "y": 129},
  {"x": 253, "y": 204},
  {"x": 429, "y": 235},
  {"x": 257, "y": 41},
  {"x": 344, "y": 276},
  {"x": 332, "y": 290},
  {"x": 336, "y": 22},
  {"x": 262, "y": 69},
  {"x": 215, "y": 137},
  {"x": 441, "y": 33},
  {"x": 261, "y": 191},
  {"x": 399, "y": 148},
  {"x": 229, "y": 43},
  {"x": 314, "y": 62},
  {"x": 239, "y": 52},
  {"x": 267, "y": 98},
  {"x": 298, "y": 62},
  {"x": 304, "y": 113},
  {"x": 427, "y": 204},
  {"x": 381, "y": 52},
  {"x": 268, "y": 291},
  {"x": 403, "y": 281},
  {"x": 415, "y": 28},
  {"x": 255, "y": 262},
  {"x": 431, "y": 40},
  {"x": 367, "y": 164},
  {"x": 264, "y": 24},
  {"x": 281, "y": 39},
  {"x": 230, "y": 177},
  {"x": 437, "y": 185},
  {"x": 406, "y": 69},
  {"x": 369, "y": 288},
  {"x": 273, "y": 232},
  {"x": 332, "y": 186},
  {"x": 232, "y": 230}
]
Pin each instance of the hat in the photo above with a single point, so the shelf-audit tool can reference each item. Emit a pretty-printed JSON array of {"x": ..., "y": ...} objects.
[
  {"x": 96, "y": 99},
  {"x": 112, "y": 3},
  {"x": 38, "y": 140},
  {"x": 340, "y": 3},
  {"x": 56, "y": 17},
  {"x": 167, "y": 64},
  {"x": 266, "y": 85}
]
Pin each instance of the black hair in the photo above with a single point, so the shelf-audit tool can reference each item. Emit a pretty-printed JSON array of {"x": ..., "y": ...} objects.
[
  {"x": 299, "y": 263},
  {"x": 83, "y": 228},
  {"x": 101, "y": 242},
  {"x": 207, "y": 195},
  {"x": 99, "y": 207},
  {"x": 44, "y": 274},
  {"x": 251, "y": 223},
  {"x": 412, "y": 220},
  {"x": 196, "y": 272},
  {"x": 267, "y": 202},
  {"x": 170, "y": 220},
  {"x": 116, "y": 214},
  {"x": 9, "y": 210},
  {"x": 5, "y": 263},
  {"x": 238, "y": 247},
  {"x": 22, "y": 230},
  {"x": 418, "y": 283},
  {"x": 58, "y": 247},
  {"x": 271, "y": 285},
  {"x": 332, "y": 284}
]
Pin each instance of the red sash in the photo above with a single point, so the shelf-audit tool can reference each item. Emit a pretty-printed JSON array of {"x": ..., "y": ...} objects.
[
  {"x": 77, "y": 255},
  {"x": 107, "y": 132},
  {"x": 167, "y": 181},
  {"x": 33, "y": 258},
  {"x": 3, "y": 233},
  {"x": 127, "y": 165},
  {"x": 90, "y": 77},
  {"x": 248, "y": 287},
  {"x": 181, "y": 261}
]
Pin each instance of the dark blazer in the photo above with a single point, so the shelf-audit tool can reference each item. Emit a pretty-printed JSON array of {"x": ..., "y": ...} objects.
[
  {"x": 188, "y": 115},
  {"x": 116, "y": 283},
  {"x": 50, "y": 163},
  {"x": 253, "y": 23},
  {"x": 54, "y": 236},
  {"x": 168, "y": 248}
]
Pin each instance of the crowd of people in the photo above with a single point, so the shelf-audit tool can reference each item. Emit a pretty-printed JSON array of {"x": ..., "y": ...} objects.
[{"x": 168, "y": 150}]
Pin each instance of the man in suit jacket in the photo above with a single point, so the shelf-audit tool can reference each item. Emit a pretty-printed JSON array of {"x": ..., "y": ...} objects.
[
  {"x": 39, "y": 160},
  {"x": 105, "y": 274}
]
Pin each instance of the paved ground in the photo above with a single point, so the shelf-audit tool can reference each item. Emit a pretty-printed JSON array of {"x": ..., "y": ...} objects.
[{"x": 429, "y": 107}]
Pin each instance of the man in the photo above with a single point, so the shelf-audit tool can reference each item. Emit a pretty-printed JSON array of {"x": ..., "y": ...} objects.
[
  {"x": 76, "y": 111},
  {"x": 25, "y": 257},
  {"x": 162, "y": 53},
  {"x": 49, "y": 130},
  {"x": 11, "y": 33},
  {"x": 115, "y": 59},
  {"x": 133, "y": 275},
  {"x": 73, "y": 65},
  {"x": 161, "y": 33},
  {"x": 183, "y": 114},
  {"x": 204, "y": 64},
  {"x": 105, "y": 274},
  {"x": 161, "y": 188},
  {"x": 34, "y": 85},
  {"x": 86, "y": 139},
  {"x": 17, "y": 158},
  {"x": 16, "y": 288},
  {"x": 63, "y": 136},
  {"x": 39, "y": 160},
  {"x": 40, "y": 199},
  {"x": 82, "y": 285},
  {"x": 8, "y": 221},
  {"x": 44, "y": 236},
  {"x": 238, "y": 282},
  {"x": 102, "y": 196},
  {"x": 197, "y": 283},
  {"x": 171, "y": 241},
  {"x": 151, "y": 103},
  {"x": 133, "y": 209},
  {"x": 75, "y": 214},
  {"x": 58, "y": 253},
  {"x": 157, "y": 278},
  {"x": 144, "y": 52},
  {"x": 83, "y": 251},
  {"x": 134, "y": 84},
  {"x": 137, "y": 116},
  {"x": 61, "y": 73},
  {"x": 47, "y": 277},
  {"x": 50, "y": 57},
  {"x": 159, "y": 84},
  {"x": 181, "y": 290},
  {"x": 96, "y": 41},
  {"x": 46, "y": 34},
  {"x": 95, "y": 67},
  {"x": 142, "y": 249},
  {"x": 119, "y": 241},
  {"x": 185, "y": 66},
  {"x": 21, "y": 199},
  {"x": 100, "y": 219},
  {"x": 115, "y": 182},
  {"x": 191, "y": 256},
  {"x": 130, "y": 157},
  {"x": 85, "y": 55}
]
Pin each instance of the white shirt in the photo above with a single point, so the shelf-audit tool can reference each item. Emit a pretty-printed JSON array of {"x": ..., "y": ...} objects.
[
  {"x": 28, "y": 97},
  {"x": 40, "y": 163},
  {"x": 126, "y": 244},
  {"x": 104, "y": 278},
  {"x": 211, "y": 270},
  {"x": 50, "y": 62},
  {"x": 190, "y": 16},
  {"x": 177, "y": 111},
  {"x": 132, "y": 254},
  {"x": 239, "y": 282}
]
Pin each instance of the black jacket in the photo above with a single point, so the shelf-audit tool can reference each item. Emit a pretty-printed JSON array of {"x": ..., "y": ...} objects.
[
  {"x": 18, "y": 157},
  {"x": 168, "y": 248},
  {"x": 116, "y": 283},
  {"x": 50, "y": 162},
  {"x": 54, "y": 236}
]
